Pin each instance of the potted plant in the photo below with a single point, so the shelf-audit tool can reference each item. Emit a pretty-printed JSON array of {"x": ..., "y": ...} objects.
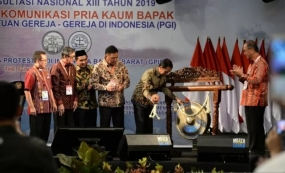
[{"x": 92, "y": 161}]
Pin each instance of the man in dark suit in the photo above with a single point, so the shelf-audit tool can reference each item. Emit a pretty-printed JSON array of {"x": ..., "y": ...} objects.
[{"x": 18, "y": 153}]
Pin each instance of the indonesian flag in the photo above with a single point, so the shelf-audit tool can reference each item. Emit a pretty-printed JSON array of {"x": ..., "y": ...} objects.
[
  {"x": 237, "y": 59},
  {"x": 229, "y": 117},
  {"x": 197, "y": 60},
  {"x": 232, "y": 104},
  {"x": 268, "y": 109},
  {"x": 212, "y": 64},
  {"x": 244, "y": 59}
]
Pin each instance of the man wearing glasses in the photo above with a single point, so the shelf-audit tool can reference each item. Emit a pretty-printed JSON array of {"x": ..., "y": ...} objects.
[
  {"x": 254, "y": 96},
  {"x": 39, "y": 95},
  {"x": 63, "y": 85}
]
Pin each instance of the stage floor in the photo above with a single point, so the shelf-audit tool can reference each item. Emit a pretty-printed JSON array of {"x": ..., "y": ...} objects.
[{"x": 188, "y": 161}]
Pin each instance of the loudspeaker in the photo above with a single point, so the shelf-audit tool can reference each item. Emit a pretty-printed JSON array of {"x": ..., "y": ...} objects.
[
  {"x": 162, "y": 1},
  {"x": 137, "y": 146},
  {"x": 227, "y": 147}
]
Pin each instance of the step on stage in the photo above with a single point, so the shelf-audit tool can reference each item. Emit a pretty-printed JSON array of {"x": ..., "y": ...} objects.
[{"x": 224, "y": 151}]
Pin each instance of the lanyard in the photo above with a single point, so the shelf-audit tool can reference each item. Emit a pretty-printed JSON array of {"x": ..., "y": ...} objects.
[
  {"x": 68, "y": 74},
  {"x": 42, "y": 76},
  {"x": 249, "y": 69},
  {"x": 45, "y": 82}
]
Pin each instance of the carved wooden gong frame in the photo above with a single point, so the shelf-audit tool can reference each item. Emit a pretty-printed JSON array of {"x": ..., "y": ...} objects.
[{"x": 196, "y": 74}]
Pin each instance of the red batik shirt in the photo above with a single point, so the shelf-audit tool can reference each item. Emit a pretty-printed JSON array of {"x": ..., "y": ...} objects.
[
  {"x": 36, "y": 81},
  {"x": 60, "y": 78},
  {"x": 257, "y": 88}
]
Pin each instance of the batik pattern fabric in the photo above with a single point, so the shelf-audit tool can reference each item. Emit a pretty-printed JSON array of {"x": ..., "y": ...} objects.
[
  {"x": 60, "y": 78},
  {"x": 103, "y": 74},
  {"x": 255, "y": 94},
  {"x": 86, "y": 98},
  {"x": 34, "y": 82},
  {"x": 150, "y": 83}
]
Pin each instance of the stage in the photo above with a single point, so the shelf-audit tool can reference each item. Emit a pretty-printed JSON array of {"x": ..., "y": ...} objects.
[
  {"x": 187, "y": 160},
  {"x": 224, "y": 151}
]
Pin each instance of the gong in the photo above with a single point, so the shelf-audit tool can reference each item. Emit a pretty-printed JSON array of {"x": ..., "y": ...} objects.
[{"x": 192, "y": 120}]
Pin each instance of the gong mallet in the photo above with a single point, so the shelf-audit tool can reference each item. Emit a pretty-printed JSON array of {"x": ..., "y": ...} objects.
[{"x": 154, "y": 99}]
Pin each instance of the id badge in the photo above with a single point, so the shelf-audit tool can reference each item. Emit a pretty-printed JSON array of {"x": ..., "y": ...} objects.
[
  {"x": 45, "y": 95},
  {"x": 68, "y": 90},
  {"x": 245, "y": 85}
]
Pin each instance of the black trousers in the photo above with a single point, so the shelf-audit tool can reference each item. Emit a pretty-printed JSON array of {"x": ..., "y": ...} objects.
[
  {"x": 40, "y": 125},
  {"x": 116, "y": 114},
  {"x": 256, "y": 134},
  {"x": 85, "y": 117},
  {"x": 144, "y": 124},
  {"x": 66, "y": 120}
]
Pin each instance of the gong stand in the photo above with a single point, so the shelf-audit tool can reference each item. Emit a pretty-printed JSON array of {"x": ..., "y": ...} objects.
[{"x": 196, "y": 74}]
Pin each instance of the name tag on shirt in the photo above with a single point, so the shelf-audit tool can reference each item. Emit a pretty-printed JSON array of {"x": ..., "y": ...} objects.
[
  {"x": 245, "y": 85},
  {"x": 45, "y": 95},
  {"x": 68, "y": 90}
]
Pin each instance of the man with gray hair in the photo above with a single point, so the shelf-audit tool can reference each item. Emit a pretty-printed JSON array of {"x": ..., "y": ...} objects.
[
  {"x": 254, "y": 98},
  {"x": 63, "y": 82}
]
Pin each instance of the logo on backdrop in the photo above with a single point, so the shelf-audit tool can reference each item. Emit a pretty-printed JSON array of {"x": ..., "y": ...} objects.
[
  {"x": 53, "y": 42},
  {"x": 80, "y": 41}
]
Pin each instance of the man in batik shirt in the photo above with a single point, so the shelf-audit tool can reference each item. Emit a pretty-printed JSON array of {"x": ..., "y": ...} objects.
[
  {"x": 152, "y": 81},
  {"x": 39, "y": 95},
  {"x": 254, "y": 96},
  {"x": 110, "y": 77},
  {"x": 64, "y": 88},
  {"x": 86, "y": 113}
]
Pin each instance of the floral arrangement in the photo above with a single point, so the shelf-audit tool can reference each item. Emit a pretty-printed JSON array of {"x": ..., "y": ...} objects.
[{"x": 91, "y": 161}]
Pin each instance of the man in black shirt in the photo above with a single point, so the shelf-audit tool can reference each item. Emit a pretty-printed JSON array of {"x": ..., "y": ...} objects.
[{"x": 21, "y": 154}]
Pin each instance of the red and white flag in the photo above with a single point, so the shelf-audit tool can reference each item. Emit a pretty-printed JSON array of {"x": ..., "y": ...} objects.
[
  {"x": 196, "y": 61},
  {"x": 238, "y": 60},
  {"x": 232, "y": 101}
]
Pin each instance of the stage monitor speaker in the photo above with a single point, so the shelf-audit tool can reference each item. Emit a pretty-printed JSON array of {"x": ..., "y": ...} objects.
[
  {"x": 67, "y": 140},
  {"x": 223, "y": 147},
  {"x": 137, "y": 146},
  {"x": 162, "y": 1}
]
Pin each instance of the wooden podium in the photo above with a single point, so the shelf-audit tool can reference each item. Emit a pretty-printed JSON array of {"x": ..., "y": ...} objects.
[{"x": 196, "y": 74}]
